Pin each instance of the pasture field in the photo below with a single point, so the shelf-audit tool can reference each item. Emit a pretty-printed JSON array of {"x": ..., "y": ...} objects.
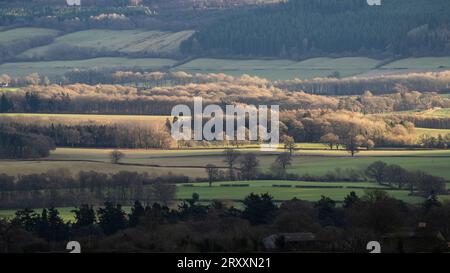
[
  {"x": 26, "y": 33},
  {"x": 118, "y": 41},
  {"x": 73, "y": 119},
  {"x": 281, "y": 69},
  {"x": 191, "y": 162},
  {"x": 420, "y": 64},
  {"x": 53, "y": 68}
]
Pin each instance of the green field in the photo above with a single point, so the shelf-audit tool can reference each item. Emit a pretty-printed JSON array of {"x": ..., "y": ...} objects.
[
  {"x": 191, "y": 162},
  {"x": 281, "y": 69},
  {"x": 53, "y": 68},
  {"x": 22, "y": 34},
  {"x": 119, "y": 41}
]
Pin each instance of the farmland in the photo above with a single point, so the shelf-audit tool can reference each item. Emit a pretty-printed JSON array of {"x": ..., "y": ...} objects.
[
  {"x": 115, "y": 41},
  {"x": 112, "y": 49},
  {"x": 281, "y": 69},
  {"x": 191, "y": 162},
  {"x": 419, "y": 64},
  {"x": 22, "y": 34},
  {"x": 272, "y": 69},
  {"x": 53, "y": 68}
]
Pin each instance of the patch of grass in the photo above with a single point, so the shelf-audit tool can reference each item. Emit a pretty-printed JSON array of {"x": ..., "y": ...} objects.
[{"x": 8, "y": 89}]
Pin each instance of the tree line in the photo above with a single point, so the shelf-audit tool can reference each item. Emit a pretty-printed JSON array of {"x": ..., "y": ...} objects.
[
  {"x": 218, "y": 227},
  {"x": 61, "y": 188},
  {"x": 89, "y": 135},
  {"x": 221, "y": 90},
  {"x": 378, "y": 85},
  {"x": 16, "y": 145}
]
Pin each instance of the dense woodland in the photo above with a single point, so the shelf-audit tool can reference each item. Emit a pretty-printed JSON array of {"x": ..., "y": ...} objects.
[{"x": 304, "y": 28}]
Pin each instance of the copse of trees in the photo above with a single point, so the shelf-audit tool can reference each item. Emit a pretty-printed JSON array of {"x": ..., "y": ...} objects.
[
  {"x": 418, "y": 182},
  {"x": 24, "y": 145},
  {"x": 439, "y": 142},
  {"x": 349, "y": 129}
]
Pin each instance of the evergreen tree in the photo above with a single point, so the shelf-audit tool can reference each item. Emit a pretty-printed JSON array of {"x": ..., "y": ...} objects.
[
  {"x": 137, "y": 211},
  {"x": 84, "y": 216},
  {"x": 112, "y": 218}
]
